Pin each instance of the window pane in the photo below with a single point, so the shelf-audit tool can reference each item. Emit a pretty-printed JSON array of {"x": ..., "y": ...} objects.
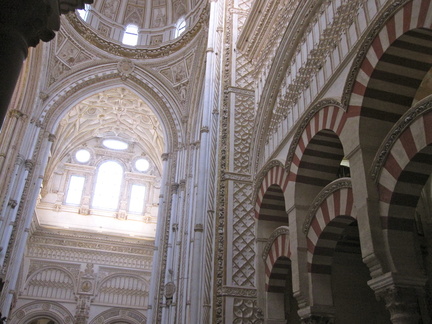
[
  {"x": 181, "y": 27},
  {"x": 130, "y": 36},
  {"x": 75, "y": 190},
  {"x": 84, "y": 12},
  {"x": 137, "y": 196},
  {"x": 142, "y": 165},
  {"x": 108, "y": 184},
  {"x": 115, "y": 144},
  {"x": 82, "y": 155}
]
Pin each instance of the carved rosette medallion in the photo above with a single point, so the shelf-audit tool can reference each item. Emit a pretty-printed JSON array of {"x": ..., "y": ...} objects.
[{"x": 125, "y": 68}]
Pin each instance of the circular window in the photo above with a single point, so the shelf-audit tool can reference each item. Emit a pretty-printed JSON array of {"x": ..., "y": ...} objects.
[
  {"x": 142, "y": 165},
  {"x": 82, "y": 156},
  {"x": 115, "y": 144}
]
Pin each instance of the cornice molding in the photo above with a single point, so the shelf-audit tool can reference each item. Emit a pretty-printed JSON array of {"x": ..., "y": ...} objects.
[{"x": 116, "y": 49}]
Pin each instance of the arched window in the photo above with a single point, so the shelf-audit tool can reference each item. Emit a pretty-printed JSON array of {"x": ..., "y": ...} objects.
[
  {"x": 181, "y": 27},
  {"x": 108, "y": 185},
  {"x": 130, "y": 36}
]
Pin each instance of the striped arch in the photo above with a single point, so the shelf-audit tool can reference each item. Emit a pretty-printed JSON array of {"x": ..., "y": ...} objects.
[
  {"x": 272, "y": 188},
  {"x": 326, "y": 115},
  {"x": 376, "y": 81},
  {"x": 331, "y": 215},
  {"x": 277, "y": 256},
  {"x": 402, "y": 168}
]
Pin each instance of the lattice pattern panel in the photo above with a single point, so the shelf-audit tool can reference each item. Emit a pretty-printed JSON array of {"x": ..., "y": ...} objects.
[
  {"x": 244, "y": 116},
  {"x": 244, "y": 237},
  {"x": 246, "y": 311}
]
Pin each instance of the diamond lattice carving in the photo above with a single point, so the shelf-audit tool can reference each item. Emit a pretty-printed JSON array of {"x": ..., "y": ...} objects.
[
  {"x": 243, "y": 240},
  {"x": 245, "y": 77},
  {"x": 244, "y": 116},
  {"x": 246, "y": 311}
]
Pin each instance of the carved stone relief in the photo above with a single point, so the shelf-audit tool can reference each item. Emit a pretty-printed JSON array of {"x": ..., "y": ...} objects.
[
  {"x": 104, "y": 29},
  {"x": 134, "y": 14},
  {"x": 246, "y": 311},
  {"x": 243, "y": 236},
  {"x": 244, "y": 118},
  {"x": 110, "y": 8}
]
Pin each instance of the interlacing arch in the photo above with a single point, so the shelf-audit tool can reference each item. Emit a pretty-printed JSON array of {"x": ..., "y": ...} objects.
[
  {"x": 402, "y": 168},
  {"x": 277, "y": 256},
  {"x": 317, "y": 136}
]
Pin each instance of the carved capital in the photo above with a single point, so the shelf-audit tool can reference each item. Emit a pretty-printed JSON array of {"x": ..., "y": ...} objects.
[
  {"x": 12, "y": 203},
  {"x": 402, "y": 304},
  {"x": 182, "y": 184},
  {"x": 16, "y": 114},
  {"x": 199, "y": 228},
  {"x": 51, "y": 138},
  {"x": 29, "y": 164},
  {"x": 174, "y": 187},
  {"x": 165, "y": 156},
  {"x": 400, "y": 293}
]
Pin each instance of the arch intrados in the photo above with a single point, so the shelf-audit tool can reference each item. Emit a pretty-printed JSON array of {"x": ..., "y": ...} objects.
[
  {"x": 61, "y": 102},
  {"x": 70, "y": 102},
  {"x": 278, "y": 245},
  {"x": 318, "y": 165},
  {"x": 284, "y": 263},
  {"x": 273, "y": 174},
  {"x": 327, "y": 114},
  {"x": 273, "y": 193}
]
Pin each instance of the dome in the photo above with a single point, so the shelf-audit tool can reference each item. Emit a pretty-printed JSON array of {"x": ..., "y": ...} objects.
[{"x": 149, "y": 23}]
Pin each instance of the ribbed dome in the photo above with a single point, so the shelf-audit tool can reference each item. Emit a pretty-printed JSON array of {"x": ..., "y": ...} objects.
[{"x": 157, "y": 21}]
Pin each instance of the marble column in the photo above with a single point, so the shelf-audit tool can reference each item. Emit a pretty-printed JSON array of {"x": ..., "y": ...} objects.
[{"x": 23, "y": 24}]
